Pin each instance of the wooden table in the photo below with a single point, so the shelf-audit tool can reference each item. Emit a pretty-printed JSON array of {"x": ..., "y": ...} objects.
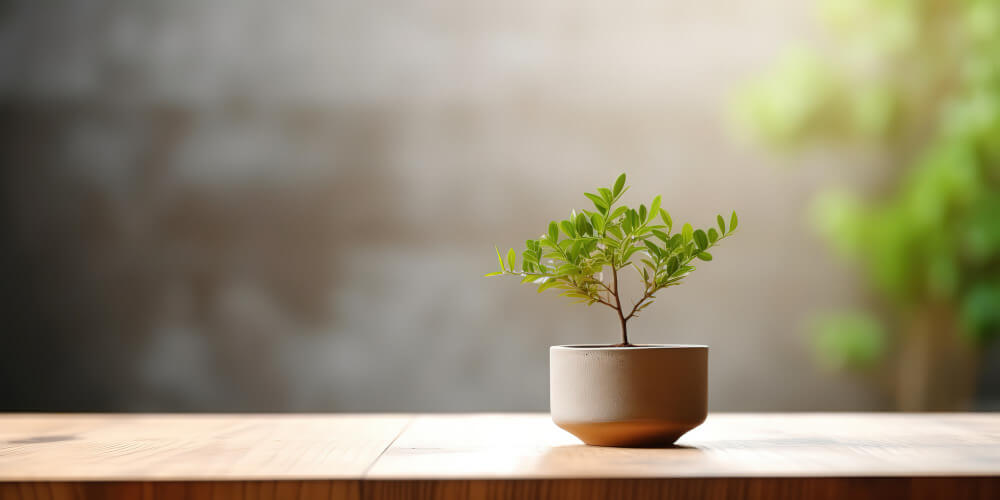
[{"x": 501, "y": 456}]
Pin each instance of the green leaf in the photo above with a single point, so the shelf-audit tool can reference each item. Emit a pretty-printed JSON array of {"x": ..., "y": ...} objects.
[
  {"x": 616, "y": 231},
  {"x": 619, "y": 184},
  {"x": 732, "y": 222},
  {"x": 661, "y": 235},
  {"x": 568, "y": 228},
  {"x": 599, "y": 202},
  {"x": 705, "y": 256},
  {"x": 487, "y": 275},
  {"x": 610, "y": 242},
  {"x": 576, "y": 249},
  {"x": 687, "y": 232},
  {"x": 630, "y": 251},
  {"x": 713, "y": 235},
  {"x": 642, "y": 213},
  {"x": 499, "y": 258},
  {"x": 666, "y": 219},
  {"x": 691, "y": 249},
  {"x": 548, "y": 284},
  {"x": 588, "y": 228},
  {"x": 654, "y": 208},
  {"x": 676, "y": 241},
  {"x": 617, "y": 213},
  {"x": 567, "y": 269},
  {"x": 597, "y": 220},
  {"x": 606, "y": 193},
  {"x": 672, "y": 265},
  {"x": 722, "y": 223},
  {"x": 653, "y": 249},
  {"x": 701, "y": 239},
  {"x": 511, "y": 258},
  {"x": 553, "y": 232}
]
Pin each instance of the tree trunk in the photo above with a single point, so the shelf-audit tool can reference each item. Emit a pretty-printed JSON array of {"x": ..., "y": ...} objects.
[{"x": 937, "y": 366}]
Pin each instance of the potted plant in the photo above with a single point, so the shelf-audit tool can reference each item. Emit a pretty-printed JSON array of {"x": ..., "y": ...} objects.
[{"x": 623, "y": 394}]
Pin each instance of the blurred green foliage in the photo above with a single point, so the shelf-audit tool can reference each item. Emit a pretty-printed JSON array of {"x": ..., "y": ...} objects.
[
  {"x": 920, "y": 80},
  {"x": 849, "y": 340}
]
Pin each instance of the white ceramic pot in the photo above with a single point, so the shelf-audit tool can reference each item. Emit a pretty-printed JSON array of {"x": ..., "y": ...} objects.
[{"x": 642, "y": 395}]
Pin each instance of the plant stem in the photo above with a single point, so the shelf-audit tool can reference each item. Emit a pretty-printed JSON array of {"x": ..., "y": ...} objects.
[
  {"x": 645, "y": 295},
  {"x": 618, "y": 307}
]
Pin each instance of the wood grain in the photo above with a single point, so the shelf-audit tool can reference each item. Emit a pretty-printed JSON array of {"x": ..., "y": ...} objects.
[
  {"x": 726, "y": 445},
  {"x": 500, "y": 456},
  {"x": 194, "y": 490},
  {"x": 867, "y": 488},
  {"x": 192, "y": 447},
  {"x": 978, "y": 488}
]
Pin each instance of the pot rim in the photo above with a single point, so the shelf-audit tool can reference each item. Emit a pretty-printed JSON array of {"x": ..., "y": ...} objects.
[{"x": 633, "y": 347}]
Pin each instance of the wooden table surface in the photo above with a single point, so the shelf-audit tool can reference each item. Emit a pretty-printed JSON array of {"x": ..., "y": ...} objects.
[{"x": 513, "y": 456}]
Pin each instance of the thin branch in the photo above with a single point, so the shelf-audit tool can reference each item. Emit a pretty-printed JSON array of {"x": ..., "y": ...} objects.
[
  {"x": 606, "y": 303},
  {"x": 618, "y": 309},
  {"x": 645, "y": 296}
]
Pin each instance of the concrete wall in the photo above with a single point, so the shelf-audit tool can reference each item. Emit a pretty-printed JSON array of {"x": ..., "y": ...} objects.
[{"x": 253, "y": 205}]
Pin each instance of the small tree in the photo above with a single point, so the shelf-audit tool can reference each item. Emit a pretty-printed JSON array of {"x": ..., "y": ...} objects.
[{"x": 611, "y": 237}]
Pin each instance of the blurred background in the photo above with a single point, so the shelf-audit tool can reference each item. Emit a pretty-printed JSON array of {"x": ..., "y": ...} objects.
[{"x": 268, "y": 206}]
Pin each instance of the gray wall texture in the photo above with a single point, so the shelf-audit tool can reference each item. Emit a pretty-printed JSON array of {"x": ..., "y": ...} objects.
[{"x": 250, "y": 205}]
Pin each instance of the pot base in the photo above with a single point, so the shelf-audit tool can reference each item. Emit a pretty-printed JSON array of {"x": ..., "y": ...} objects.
[{"x": 629, "y": 434}]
